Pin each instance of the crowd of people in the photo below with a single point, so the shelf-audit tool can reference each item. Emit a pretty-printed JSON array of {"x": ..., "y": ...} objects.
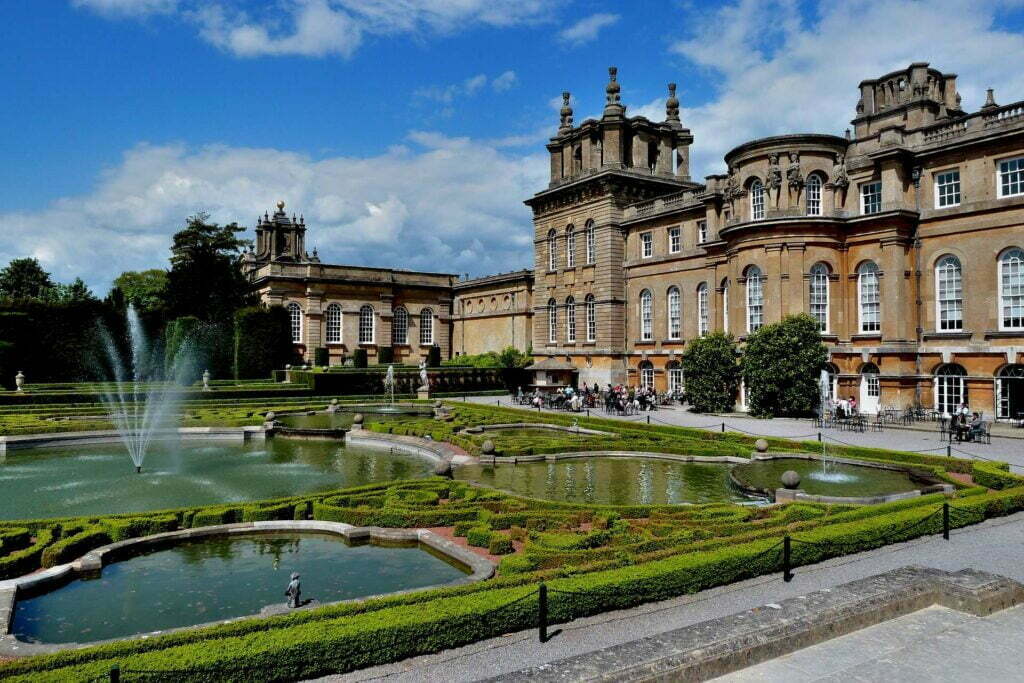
[{"x": 619, "y": 398}]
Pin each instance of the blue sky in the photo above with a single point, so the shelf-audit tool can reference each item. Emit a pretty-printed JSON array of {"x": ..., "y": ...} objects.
[{"x": 408, "y": 131}]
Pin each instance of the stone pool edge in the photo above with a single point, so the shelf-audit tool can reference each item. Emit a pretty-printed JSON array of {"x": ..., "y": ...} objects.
[
  {"x": 19, "y": 442},
  {"x": 480, "y": 568}
]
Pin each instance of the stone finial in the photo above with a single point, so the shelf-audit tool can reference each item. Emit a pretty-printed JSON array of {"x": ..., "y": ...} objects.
[
  {"x": 990, "y": 99},
  {"x": 302, "y": 219},
  {"x": 672, "y": 105},
  {"x": 613, "y": 106},
  {"x": 280, "y": 205},
  {"x": 761, "y": 445},
  {"x": 790, "y": 479},
  {"x": 565, "y": 120}
]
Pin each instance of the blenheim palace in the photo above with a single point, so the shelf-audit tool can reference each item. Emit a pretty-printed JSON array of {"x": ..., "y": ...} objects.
[{"x": 904, "y": 240}]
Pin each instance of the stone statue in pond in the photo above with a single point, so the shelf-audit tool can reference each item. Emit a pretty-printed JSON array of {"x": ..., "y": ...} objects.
[{"x": 294, "y": 591}]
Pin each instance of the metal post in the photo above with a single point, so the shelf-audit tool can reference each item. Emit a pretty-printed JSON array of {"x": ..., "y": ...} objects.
[
  {"x": 648, "y": 419},
  {"x": 819, "y": 437},
  {"x": 723, "y": 428},
  {"x": 588, "y": 412},
  {"x": 115, "y": 674},
  {"x": 945, "y": 521},
  {"x": 787, "y": 575},
  {"x": 949, "y": 451},
  {"x": 542, "y": 610}
]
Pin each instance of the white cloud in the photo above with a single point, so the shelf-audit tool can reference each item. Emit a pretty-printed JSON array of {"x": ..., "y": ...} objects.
[
  {"x": 316, "y": 28},
  {"x": 801, "y": 75},
  {"x": 504, "y": 81},
  {"x": 434, "y": 203},
  {"x": 587, "y": 29},
  {"x": 127, "y": 7}
]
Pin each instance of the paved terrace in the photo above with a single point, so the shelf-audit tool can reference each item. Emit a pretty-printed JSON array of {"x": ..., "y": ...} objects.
[{"x": 1007, "y": 441}]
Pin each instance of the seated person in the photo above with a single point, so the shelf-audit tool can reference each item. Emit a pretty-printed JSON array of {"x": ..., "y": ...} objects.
[{"x": 976, "y": 428}]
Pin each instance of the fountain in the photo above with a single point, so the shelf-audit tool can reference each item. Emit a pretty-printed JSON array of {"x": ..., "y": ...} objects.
[
  {"x": 389, "y": 385},
  {"x": 139, "y": 409},
  {"x": 828, "y": 469}
]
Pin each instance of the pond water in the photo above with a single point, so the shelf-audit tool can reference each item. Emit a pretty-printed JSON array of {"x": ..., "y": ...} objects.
[
  {"x": 339, "y": 420},
  {"x": 206, "y": 580},
  {"x": 87, "y": 480},
  {"x": 844, "y": 480},
  {"x": 610, "y": 481}
]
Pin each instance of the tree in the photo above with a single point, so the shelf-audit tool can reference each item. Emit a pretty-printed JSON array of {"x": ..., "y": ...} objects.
[
  {"x": 206, "y": 279},
  {"x": 712, "y": 373},
  {"x": 24, "y": 278},
  {"x": 144, "y": 289},
  {"x": 781, "y": 366},
  {"x": 76, "y": 291}
]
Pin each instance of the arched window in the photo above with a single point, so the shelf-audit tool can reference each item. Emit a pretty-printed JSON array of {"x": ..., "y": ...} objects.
[
  {"x": 819, "y": 295},
  {"x": 1011, "y": 290},
  {"x": 646, "y": 315},
  {"x": 591, "y": 317},
  {"x": 870, "y": 388},
  {"x": 869, "y": 302},
  {"x": 647, "y": 374},
  {"x": 426, "y": 327},
  {"x": 570, "y": 320},
  {"x": 675, "y": 377},
  {"x": 833, "y": 380},
  {"x": 702, "y": 309},
  {"x": 949, "y": 294},
  {"x": 755, "y": 299},
  {"x": 552, "y": 321},
  {"x": 552, "y": 252},
  {"x": 725, "y": 305},
  {"x": 400, "y": 327},
  {"x": 295, "y": 317},
  {"x": 756, "y": 200},
  {"x": 813, "y": 188},
  {"x": 1010, "y": 393},
  {"x": 366, "y": 326},
  {"x": 673, "y": 313},
  {"x": 570, "y": 247},
  {"x": 332, "y": 319},
  {"x": 949, "y": 388},
  {"x": 591, "y": 245}
]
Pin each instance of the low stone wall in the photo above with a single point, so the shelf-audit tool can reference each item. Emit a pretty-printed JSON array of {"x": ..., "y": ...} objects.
[
  {"x": 439, "y": 451},
  {"x": 66, "y": 439},
  {"x": 720, "y": 646},
  {"x": 479, "y": 567},
  {"x": 554, "y": 457},
  {"x": 534, "y": 425}
]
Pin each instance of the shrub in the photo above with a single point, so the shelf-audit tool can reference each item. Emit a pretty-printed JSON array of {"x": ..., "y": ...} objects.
[
  {"x": 781, "y": 365},
  {"x": 134, "y": 527},
  {"x": 462, "y": 528},
  {"x": 385, "y": 355},
  {"x": 359, "y": 358},
  {"x": 262, "y": 341},
  {"x": 500, "y": 544},
  {"x": 434, "y": 357},
  {"x": 255, "y": 513},
  {"x": 479, "y": 536},
  {"x": 73, "y": 547},
  {"x": 215, "y": 516},
  {"x": 712, "y": 373},
  {"x": 995, "y": 476},
  {"x": 515, "y": 564},
  {"x": 27, "y": 559}
]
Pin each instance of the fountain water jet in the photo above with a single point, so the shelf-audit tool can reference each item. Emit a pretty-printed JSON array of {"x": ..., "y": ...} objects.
[{"x": 137, "y": 409}]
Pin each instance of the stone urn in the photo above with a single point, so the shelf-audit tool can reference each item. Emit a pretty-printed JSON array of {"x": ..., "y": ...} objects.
[
  {"x": 19, "y": 380},
  {"x": 269, "y": 417},
  {"x": 333, "y": 408},
  {"x": 790, "y": 480},
  {"x": 761, "y": 446}
]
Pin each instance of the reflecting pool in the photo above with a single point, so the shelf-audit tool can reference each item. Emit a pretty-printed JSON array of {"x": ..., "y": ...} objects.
[
  {"x": 217, "y": 578},
  {"x": 86, "y": 480},
  {"x": 610, "y": 481},
  {"x": 841, "y": 480}
]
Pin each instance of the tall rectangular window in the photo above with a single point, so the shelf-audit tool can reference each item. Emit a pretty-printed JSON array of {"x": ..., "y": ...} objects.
[
  {"x": 702, "y": 232},
  {"x": 674, "y": 245},
  {"x": 813, "y": 189},
  {"x": 870, "y": 301},
  {"x": 871, "y": 197},
  {"x": 591, "y": 314},
  {"x": 570, "y": 248},
  {"x": 947, "y": 189},
  {"x": 673, "y": 313},
  {"x": 1011, "y": 177},
  {"x": 646, "y": 316},
  {"x": 570, "y": 320},
  {"x": 591, "y": 246},
  {"x": 702, "y": 309},
  {"x": 755, "y": 299},
  {"x": 646, "y": 245},
  {"x": 949, "y": 293}
]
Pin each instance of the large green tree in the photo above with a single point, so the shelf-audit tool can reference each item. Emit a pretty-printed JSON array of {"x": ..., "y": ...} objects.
[
  {"x": 781, "y": 366},
  {"x": 712, "y": 373},
  {"x": 206, "y": 280},
  {"x": 24, "y": 278},
  {"x": 144, "y": 289}
]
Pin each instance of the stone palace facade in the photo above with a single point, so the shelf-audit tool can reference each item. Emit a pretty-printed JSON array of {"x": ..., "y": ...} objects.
[{"x": 904, "y": 239}]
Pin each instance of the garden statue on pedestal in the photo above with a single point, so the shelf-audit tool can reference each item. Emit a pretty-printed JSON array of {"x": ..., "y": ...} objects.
[
  {"x": 206, "y": 380},
  {"x": 423, "y": 391},
  {"x": 19, "y": 380},
  {"x": 293, "y": 591}
]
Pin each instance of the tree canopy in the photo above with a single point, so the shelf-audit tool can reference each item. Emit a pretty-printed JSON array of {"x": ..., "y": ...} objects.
[
  {"x": 144, "y": 289},
  {"x": 781, "y": 366},
  {"x": 24, "y": 278},
  {"x": 712, "y": 373},
  {"x": 206, "y": 279}
]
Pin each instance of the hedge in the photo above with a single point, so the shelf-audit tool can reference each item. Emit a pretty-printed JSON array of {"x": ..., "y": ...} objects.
[
  {"x": 262, "y": 341},
  {"x": 995, "y": 475},
  {"x": 74, "y": 546},
  {"x": 26, "y": 560},
  {"x": 500, "y": 544},
  {"x": 479, "y": 536}
]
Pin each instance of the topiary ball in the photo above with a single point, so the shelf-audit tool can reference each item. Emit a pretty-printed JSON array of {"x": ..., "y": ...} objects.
[
  {"x": 761, "y": 445},
  {"x": 487, "y": 448},
  {"x": 790, "y": 479},
  {"x": 357, "y": 419},
  {"x": 443, "y": 469}
]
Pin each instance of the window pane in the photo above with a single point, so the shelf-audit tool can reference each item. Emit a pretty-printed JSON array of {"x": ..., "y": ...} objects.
[
  {"x": 756, "y": 201},
  {"x": 570, "y": 319},
  {"x": 871, "y": 198},
  {"x": 400, "y": 327},
  {"x": 1011, "y": 177},
  {"x": 949, "y": 294},
  {"x": 426, "y": 327},
  {"x": 673, "y": 313},
  {"x": 819, "y": 296},
  {"x": 366, "y": 325},
  {"x": 591, "y": 318},
  {"x": 1011, "y": 289},
  {"x": 755, "y": 300},
  {"x": 947, "y": 189},
  {"x": 333, "y": 321},
  {"x": 814, "y": 195},
  {"x": 646, "y": 323},
  {"x": 870, "y": 303},
  {"x": 295, "y": 316},
  {"x": 702, "y": 309}
]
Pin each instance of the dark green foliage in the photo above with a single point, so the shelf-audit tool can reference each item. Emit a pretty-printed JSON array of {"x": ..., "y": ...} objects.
[
  {"x": 206, "y": 279},
  {"x": 781, "y": 366},
  {"x": 262, "y": 341},
  {"x": 500, "y": 544},
  {"x": 712, "y": 373},
  {"x": 73, "y": 546},
  {"x": 385, "y": 355},
  {"x": 24, "y": 278},
  {"x": 479, "y": 536},
  {"x": 434, "y": 357},
  {"x": 144, "y": 289},
  {"x": 359, "y": 358},
  {"x": 7, "y": 369},
  {"x": 193, "y": 346},
  {"x": 509, "y": 357}
]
